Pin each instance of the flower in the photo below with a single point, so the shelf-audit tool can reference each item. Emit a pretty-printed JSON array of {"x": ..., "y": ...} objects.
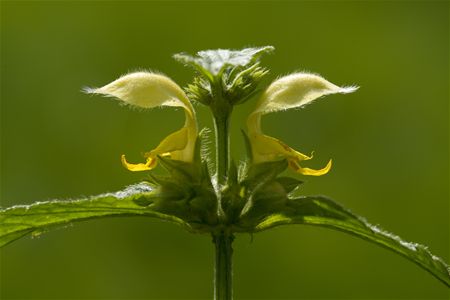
[
  {"x": 148, "y": 90},
  {"x": 292, "y": 91}
]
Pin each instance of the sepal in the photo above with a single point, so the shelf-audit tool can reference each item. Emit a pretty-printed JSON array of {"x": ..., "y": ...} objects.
[
  {"x": 241, "y": 83},
  {"x": 200, "y": 90},
  {"x": 289, "y": 184},
  {"x": 186, "y": 192},
  {"x": 262, "y": 191},
  {"x": 232, "y": 200},
  {"x": 253, "y": 192}
]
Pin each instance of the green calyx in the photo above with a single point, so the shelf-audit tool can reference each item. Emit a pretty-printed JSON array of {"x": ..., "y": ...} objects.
[{"x": 249, "y": 195}]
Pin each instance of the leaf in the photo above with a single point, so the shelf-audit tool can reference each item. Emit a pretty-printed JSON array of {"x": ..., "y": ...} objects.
[
  {"x": 321, "y": 211},
  {"x": 18, "y": 221},
  {"x": 211, "y": 62}
]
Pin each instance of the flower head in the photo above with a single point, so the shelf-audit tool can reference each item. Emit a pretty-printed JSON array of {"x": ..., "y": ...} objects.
[
  {"x": 148, "y": 90},
  {"x": 292, "y": 91}
]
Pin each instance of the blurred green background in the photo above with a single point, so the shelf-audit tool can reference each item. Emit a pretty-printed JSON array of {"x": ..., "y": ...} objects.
[{"x": 389, "y": 142}]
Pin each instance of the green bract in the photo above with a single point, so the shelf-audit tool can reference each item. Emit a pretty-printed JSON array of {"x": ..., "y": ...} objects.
[{"x": 252, "y": 197}]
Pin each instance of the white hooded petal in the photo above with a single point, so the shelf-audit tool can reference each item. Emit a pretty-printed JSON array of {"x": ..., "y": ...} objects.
[
  {"x": 296, "y": 90},
  {"x": 145, "y": 89}
]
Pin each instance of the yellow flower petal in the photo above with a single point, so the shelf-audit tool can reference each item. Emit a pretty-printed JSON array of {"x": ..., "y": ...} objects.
[
  {"x": 150, "y": 164},
  {"x": 297, "y": 90},
  {"x": 145, "y": 89},
  {"x": 176, "y": 145},
  {"x": 267, "y": 148},
  {"x": 173, "y": 146},
  {"x": 272, "y": 149},
  {"x": 307, "y": 171}
]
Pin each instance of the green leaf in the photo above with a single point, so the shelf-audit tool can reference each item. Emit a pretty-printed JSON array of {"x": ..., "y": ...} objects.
[
  {"x": 324, "y": 212},
  {"x": 211, "y": 62},
  {"x": 18, "y": 221}
]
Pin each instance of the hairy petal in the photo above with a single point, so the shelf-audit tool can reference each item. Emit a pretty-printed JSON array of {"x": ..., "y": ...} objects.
[
  {"x": 296, "y": 90},
  {"x": 145, "y": 89}
]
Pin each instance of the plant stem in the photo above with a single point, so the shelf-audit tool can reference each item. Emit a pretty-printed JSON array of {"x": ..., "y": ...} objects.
[
  {"x": 223, "y": 272},
  {"x": 223, "y": 284},
  {"x": 221, "y": 126}
]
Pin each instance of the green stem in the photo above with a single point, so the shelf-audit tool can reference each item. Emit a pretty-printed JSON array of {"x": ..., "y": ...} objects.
[
  {"x": 223, "y": 272},
  {"x": 221, "y": 126},
  {"x": 221, "y": 110}
]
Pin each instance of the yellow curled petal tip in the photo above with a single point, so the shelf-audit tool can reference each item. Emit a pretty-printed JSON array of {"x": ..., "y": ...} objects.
[
  {"x": 148, "y": 165},
  {"x": 310, "y": 172},
  {"x": 298, "y": 156}
]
